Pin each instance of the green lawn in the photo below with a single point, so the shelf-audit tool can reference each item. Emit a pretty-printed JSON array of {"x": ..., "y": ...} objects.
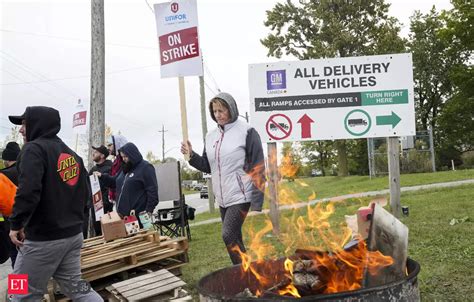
[
  {"x": 331, "y": 186},
  {"x": 445, "y": 252}
]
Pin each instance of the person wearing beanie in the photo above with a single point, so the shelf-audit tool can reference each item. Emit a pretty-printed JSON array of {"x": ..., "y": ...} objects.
[{"x": 9, "y": 155}]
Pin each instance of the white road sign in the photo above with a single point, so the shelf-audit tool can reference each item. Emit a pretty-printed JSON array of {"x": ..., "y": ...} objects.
[
  {"x": 327, "y": 99},
  {"x": 177, "y": 26}
]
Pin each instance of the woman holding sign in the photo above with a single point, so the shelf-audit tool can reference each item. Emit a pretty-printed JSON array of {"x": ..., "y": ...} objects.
[{"x": 233, "y": 154}]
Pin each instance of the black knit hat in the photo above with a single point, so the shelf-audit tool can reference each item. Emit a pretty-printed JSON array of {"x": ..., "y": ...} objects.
[
  {"x": 11, "y": 151},
  {"x": 102, "y": 149}
]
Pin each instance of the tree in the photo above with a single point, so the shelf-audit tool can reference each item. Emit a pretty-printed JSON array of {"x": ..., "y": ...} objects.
[
  {"x": 433, "y": 59},
  {"x": 152, "y": 158},
  {"x": 320, "y": 154},
  {"x": 444, "y": 78},
  {"x": 316, "y": 29}
]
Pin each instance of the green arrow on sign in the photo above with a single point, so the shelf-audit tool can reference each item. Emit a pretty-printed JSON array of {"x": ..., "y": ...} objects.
[{"x": 388, "y": 120}]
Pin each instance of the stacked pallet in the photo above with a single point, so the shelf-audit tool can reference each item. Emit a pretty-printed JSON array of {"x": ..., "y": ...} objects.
[
  {"x": 157, "y": 286},
  {"x": 100, "y": 259}
]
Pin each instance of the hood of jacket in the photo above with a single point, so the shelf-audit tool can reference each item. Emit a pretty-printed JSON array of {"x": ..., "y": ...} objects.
[
  {"x": 119, "y": 141},
  {"x": 133, "y": 153},
  {"x": 41, "y": 121},
  {"x": 229, "y": 100}
]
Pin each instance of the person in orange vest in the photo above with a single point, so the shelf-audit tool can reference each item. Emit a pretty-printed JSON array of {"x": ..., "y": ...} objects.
[{"x": 9, "y": 182}]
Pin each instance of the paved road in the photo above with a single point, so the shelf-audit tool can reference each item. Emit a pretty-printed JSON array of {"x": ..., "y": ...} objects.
[{"x": 193, "y": 200}]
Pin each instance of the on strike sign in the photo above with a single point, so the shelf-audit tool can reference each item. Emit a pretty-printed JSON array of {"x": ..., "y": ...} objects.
[
  {"x": 179, "y": 45},
  {"x": 177, "y": 27}
]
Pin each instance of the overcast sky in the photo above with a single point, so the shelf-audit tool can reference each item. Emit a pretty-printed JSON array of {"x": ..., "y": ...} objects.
[{"x": 45, "y": 60}]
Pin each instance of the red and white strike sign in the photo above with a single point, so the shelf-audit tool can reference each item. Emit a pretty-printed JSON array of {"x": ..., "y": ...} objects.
[
  {"x": 177, "y": 28},
  {"x": 179, "y": 45}
]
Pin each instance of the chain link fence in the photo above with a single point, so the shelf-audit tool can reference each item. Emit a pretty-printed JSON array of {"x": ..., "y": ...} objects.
[{"x": 416, "y": 154}]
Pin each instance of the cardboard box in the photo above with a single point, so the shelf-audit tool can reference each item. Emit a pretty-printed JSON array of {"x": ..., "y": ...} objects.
[{"x": 113, "y": 226}]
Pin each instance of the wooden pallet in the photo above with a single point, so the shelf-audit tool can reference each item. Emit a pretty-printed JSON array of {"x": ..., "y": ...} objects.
[
  {"x": 100, "y": 259},
  {"x": 156, "y": 286}
]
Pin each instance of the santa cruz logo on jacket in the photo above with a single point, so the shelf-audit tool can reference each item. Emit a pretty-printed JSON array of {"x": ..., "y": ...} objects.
[{"x": 68, "y": 169}]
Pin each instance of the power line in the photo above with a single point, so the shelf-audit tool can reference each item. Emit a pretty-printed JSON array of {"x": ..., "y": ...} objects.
[
  {"x": 79, "y": 77},
  {"x": 212, "y": 77},
  {"x": 36, "y": 74},
  {"x": 149, "y": 6},
  {"x": 76, "y": 39},
  {"x": 37, "y": 88}
]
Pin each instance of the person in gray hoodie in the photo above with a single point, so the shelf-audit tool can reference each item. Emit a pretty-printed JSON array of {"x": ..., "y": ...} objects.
[{"x": 233, "y": 154}]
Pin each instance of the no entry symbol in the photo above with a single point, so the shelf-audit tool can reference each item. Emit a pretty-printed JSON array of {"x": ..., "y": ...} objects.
[{"x": 279, "y": 126}]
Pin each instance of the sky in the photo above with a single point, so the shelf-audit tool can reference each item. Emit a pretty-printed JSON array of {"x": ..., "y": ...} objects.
[{"x": 45, "y": 60}]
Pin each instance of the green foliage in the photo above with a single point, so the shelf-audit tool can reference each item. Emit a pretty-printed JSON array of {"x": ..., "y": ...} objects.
[
  {"x": 189, "y": 174},
  {"x": 433, "y": 60},
  {"x": 442, "y": 47},
  {"x": 468, "y": 160},
  {"x": 357, "y": 156},
  {"x": 331, "y": 28},
  {"x": 320, "y": 155}
]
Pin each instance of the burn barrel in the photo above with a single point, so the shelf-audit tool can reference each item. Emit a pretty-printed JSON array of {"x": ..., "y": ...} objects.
[{"x": 226, "y": 283}]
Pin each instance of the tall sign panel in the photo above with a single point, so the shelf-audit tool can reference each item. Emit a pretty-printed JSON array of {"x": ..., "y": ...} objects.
[
  {"x": 177, "y": 27},
  {"x": 342, "y": 98}
]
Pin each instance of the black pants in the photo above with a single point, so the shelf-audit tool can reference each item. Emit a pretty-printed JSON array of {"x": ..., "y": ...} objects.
[
  {"x": 232, "y": 220},
  {"x": 7, "y": 248}
]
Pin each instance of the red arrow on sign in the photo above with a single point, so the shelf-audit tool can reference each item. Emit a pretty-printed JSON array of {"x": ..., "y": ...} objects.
[{"x": 305, "y": 122}]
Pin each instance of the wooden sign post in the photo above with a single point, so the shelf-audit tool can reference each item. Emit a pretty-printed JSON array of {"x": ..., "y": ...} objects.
[
  {"x": 273, "y": 187},
  {"x": 393, "y": 153}
]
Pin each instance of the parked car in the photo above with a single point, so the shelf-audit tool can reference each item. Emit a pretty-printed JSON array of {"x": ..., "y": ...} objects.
[{"x": 204, "y": 192}]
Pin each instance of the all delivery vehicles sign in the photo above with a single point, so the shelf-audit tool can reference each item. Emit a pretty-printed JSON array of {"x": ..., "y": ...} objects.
[
  {"x": 177, "y": 26},
  {"x": 343, "y": 98}
]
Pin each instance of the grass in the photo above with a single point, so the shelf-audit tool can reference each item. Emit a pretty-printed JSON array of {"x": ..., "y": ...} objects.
[
  {"x": 445, "y": 252},
  {"x": 331, "y": 186}
]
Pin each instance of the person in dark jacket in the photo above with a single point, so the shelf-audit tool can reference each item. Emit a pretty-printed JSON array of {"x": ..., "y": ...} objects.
[
  {"x": 136, "y": 185},
  {"x": 9, "y": 155},
  {"x": 48, "y": 213},
  {"x": 102, "y": 165}
]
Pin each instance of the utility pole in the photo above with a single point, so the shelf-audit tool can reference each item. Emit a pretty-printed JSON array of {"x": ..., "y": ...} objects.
[
  {"x": 97, "y": 98},
  {"x": 204, "y": 132},
  {"x": 163, "y": 142}
]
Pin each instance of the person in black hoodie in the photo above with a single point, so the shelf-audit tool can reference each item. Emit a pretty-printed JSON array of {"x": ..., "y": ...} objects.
[
  {"x": 136, "y": 185},
  {"x": 48, "y": 213},
  {"x": 9, "y": 155}
]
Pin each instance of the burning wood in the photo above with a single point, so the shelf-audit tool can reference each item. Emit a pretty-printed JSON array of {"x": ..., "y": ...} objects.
[
  {"x": 246, "y": 293},
  {"x": 307, "y": 277}
]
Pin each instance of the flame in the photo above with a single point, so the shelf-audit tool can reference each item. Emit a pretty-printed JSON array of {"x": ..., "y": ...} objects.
[{"x": 337, "y": 268}]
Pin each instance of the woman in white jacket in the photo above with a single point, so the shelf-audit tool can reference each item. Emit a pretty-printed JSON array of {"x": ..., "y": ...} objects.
[{"x": 233, "y": 154}]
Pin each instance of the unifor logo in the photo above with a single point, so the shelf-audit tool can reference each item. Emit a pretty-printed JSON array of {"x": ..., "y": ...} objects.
[
  {"x": 276, "y": 79},
  {"x": 174, "y": 7}
]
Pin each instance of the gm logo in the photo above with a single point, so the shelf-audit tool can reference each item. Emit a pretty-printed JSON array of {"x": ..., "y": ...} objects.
[
  {"x": 276, "y": 79},
  {"x": 174, "y": 7}
]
